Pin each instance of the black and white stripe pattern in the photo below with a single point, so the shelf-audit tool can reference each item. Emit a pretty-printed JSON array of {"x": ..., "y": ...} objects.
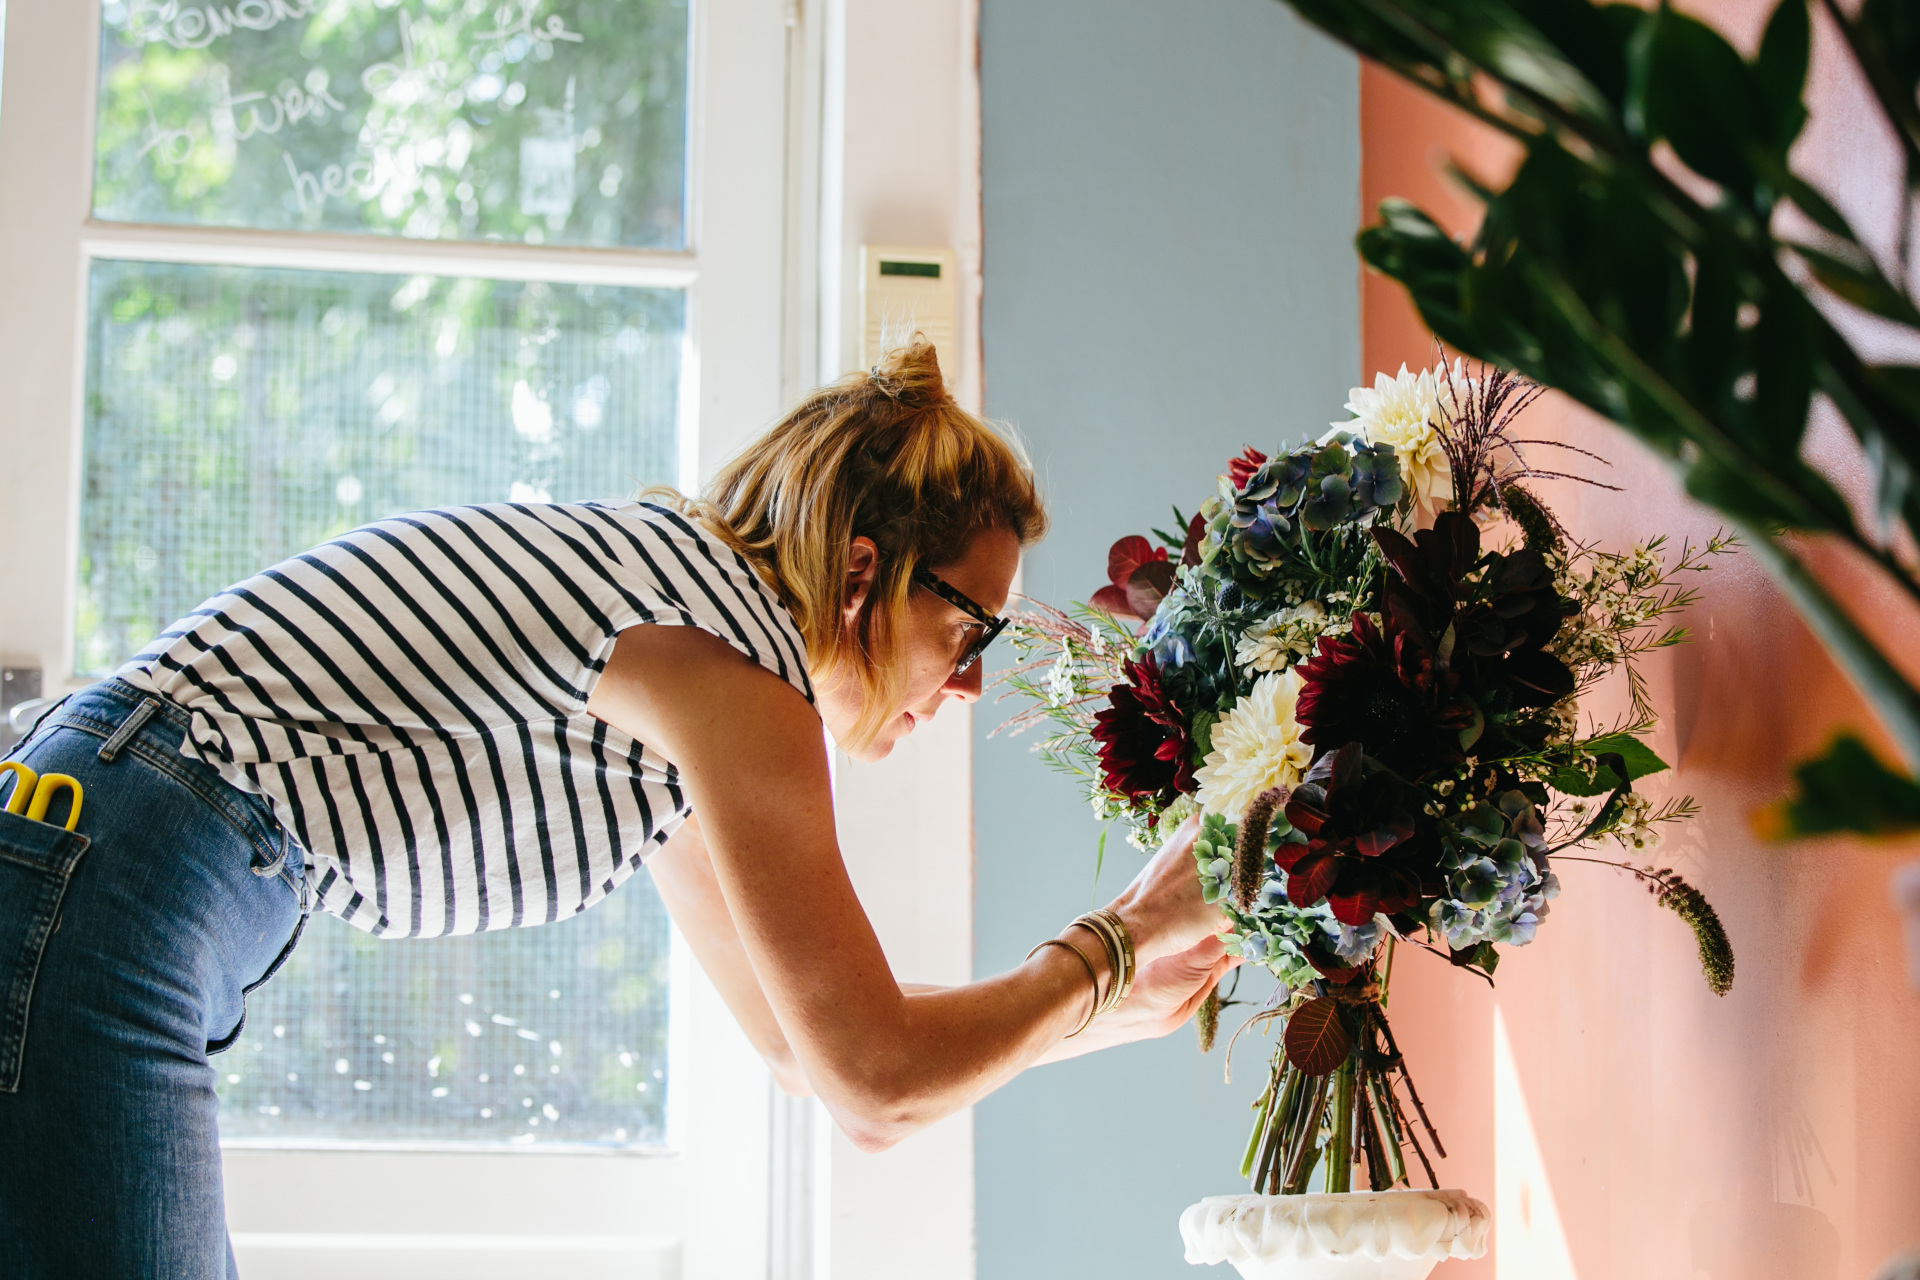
[{"x": 410, "y": 699}]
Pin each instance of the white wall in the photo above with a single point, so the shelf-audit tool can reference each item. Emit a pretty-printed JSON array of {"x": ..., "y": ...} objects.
[{"x": 900, "y": 166}]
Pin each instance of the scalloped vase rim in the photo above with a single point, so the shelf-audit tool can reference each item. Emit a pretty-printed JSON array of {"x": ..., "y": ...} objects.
[{"x": 1352, "y": 1235}]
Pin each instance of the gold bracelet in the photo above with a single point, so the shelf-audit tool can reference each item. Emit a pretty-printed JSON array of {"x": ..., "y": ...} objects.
[
  {"x": 1126, "y": 950},
  {"x": 1112, "y": 950},
  {"x": 1108, "y": 944},
  {"x": 1092, "y": 974},
  {"x": 1113, "y": 935}
]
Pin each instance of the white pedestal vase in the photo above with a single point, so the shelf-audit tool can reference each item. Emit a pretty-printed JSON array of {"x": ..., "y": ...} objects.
[{"x": 1358, "y": 1235}]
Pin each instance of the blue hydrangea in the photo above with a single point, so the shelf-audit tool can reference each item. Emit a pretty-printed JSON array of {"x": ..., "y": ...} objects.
[{"x": 1497, "y": 877}]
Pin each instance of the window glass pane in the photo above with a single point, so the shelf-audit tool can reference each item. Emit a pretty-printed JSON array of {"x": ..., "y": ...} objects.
[
  {"x": 555, "y": 1034},
  {"x": 236, "y": 416},
  {"x": 548, "y": 121}
]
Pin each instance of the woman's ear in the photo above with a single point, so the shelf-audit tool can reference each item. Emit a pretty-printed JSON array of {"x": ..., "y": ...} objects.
[{"x": 863, "y": 566}]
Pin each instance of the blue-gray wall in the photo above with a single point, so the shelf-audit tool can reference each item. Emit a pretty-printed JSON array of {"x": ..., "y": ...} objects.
[{"x": 1170, "y": 195}]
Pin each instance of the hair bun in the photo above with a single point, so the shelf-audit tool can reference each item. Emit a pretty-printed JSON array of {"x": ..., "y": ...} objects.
[{"x": 910, "y": 375}]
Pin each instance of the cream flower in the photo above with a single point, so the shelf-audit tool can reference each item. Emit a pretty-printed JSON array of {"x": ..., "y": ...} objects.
[
  {"x": 1256, "y": 745},
  {"x": 1402, "y": 412},
  {"x": 1276, "y": 643}
]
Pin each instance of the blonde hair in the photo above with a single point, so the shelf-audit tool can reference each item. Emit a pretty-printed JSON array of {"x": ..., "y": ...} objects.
[{"x": 885, "y": 455}]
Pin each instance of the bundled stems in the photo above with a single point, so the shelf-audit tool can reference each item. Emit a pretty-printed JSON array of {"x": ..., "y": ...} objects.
[{"x": 1351, "y": 1114}]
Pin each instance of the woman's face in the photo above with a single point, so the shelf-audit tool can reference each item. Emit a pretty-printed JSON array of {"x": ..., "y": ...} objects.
[{"x": 934, "y": 634}]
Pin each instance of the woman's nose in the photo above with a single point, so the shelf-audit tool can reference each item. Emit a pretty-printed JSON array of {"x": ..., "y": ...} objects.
[{"x": 964, "y": 685}]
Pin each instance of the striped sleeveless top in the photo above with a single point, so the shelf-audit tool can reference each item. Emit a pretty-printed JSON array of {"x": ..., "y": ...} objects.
[{"x": 410, "y": 700}]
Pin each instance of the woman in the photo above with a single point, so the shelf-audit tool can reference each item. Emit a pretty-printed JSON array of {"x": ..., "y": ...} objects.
[{"x": 490, "y": 716}]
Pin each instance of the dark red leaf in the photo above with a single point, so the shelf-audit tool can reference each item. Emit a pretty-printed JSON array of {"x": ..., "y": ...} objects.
[
  {"x": 1148, "y": 586},
  {"x": 1373, "y": 843},
  {"x": 1287, "y": 854},
  {"x": 1304, "y": 811},
  {"x": 1129, "y": 554},
  {"x": 1399, "y": 891},
  {"x": 1196, "y": 533},
  {"x": 1330, "y": 969},
  {"x": 1113, "y": 600},
  {"x": 1310, "y": 878},
  {"x": 1355, "y": 908},
  {"x": 1317, "y": 1038}
]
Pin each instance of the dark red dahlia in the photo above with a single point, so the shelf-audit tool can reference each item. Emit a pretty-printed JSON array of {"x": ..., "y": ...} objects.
[
  {"x": 1241, "y": 469},
  {"x": 1146, "y": 751},
  {"x": 1363, "y": 853},
  {"x": 1494, "y": 625},
  {"x": 1387, "y": 692}
]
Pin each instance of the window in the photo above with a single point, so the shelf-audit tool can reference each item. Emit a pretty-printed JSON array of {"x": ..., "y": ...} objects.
[
  {"x": 279, "y": 267},
  {"x": 238, "y": 415}
]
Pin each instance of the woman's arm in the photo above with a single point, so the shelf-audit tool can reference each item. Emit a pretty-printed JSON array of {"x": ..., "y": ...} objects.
[
  {"x": 885, "y": 1062},
  {"x": 683, "y": 874}
]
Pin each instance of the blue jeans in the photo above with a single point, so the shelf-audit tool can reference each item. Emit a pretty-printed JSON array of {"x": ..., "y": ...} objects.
[{"x": 126, "y": 952}]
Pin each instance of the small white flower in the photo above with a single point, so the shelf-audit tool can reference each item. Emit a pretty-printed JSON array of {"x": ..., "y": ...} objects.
[
  {"x": 1256, "y": 745},
  {"x": 1403, "y": 411},
  {"x": 1060, "y": 680}
]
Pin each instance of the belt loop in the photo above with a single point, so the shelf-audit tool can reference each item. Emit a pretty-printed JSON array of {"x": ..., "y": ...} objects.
[{"x": 128, "y": 727}]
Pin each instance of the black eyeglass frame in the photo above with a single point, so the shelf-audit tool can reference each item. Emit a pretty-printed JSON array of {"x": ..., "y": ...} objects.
[{"x": 973, "y": 609}]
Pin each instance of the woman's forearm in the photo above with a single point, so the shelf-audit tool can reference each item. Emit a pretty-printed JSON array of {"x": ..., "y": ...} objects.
[
  {"x": 883, "y": 1061},
  {"x": 683, "y": 875}
]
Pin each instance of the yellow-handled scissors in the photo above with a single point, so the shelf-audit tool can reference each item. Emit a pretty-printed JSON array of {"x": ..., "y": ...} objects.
[{"x": 33, "y": 793}]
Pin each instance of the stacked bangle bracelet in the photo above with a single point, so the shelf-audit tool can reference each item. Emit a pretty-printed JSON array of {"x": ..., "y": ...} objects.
[
  {"x": 1118, "y": 944},
  {"x": 1093, "y": 976},
  {"x": 1106, "y": 926}
]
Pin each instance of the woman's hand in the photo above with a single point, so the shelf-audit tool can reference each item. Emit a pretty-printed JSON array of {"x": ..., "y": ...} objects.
[
  {"x": 1163, "y": 908},
  {"x": 1165, "y": 994}
]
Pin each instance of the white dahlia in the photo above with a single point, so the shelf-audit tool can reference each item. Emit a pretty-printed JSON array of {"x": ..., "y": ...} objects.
[
  {"x": 1402, "y": 412},
  {"x": 1256, "y": 745}
]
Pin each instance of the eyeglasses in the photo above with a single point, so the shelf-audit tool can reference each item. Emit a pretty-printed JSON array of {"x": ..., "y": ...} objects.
[{"x": 959, "y": 600}]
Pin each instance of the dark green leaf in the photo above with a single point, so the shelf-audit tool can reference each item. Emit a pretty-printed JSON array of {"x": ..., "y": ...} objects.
[
  {"x": 1781, "y": 70},
  {"x": 1702, "y": 97},
  {"x": 1810, "y": 501},
  {"x": 1810, "y": 202},
  {"x": 1638, "y": 757},
  {"x": 1847, "y": 789},
  {"x": 1886, "y": 35},
  {"x": 1857, "y": 279},
  {"x": 1573, "y": 782},
  {"x": 1784, "y": 343}
]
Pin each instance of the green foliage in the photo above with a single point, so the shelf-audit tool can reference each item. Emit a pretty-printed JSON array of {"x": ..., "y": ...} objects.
[
  {"x": 558, "y": 122},
  {"x": 1572, "y": 780},
  {"x": 1676, "y": 308},
  {"x": 1847, "y": 789}
]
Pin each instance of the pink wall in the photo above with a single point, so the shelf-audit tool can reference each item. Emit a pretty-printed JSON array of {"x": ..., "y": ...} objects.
[{"x": 1641, "y": 1128}]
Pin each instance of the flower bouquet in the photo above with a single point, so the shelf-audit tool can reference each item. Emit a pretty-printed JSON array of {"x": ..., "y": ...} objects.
[{"x": 1361, "y": 664}]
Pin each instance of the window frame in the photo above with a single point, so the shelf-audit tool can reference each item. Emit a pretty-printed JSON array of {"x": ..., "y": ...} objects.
[{"x": 703, "y": 1201}]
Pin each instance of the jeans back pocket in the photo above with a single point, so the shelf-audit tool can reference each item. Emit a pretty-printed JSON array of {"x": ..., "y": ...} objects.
[{"x": 36, "y": 862}]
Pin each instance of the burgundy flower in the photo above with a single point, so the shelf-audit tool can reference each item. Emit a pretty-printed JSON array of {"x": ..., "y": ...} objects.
[
  {"x": 1241, "y": 469},
  {"x": 1362, "y": 854},
  {"x": 1494, "y": 628},
  {"x": 1388, "y": 693},
  {"x": 1145, "y": 748}
]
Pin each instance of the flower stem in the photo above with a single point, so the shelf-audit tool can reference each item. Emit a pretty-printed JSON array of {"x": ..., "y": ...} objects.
[{"x": 1340, "y": 1147}]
